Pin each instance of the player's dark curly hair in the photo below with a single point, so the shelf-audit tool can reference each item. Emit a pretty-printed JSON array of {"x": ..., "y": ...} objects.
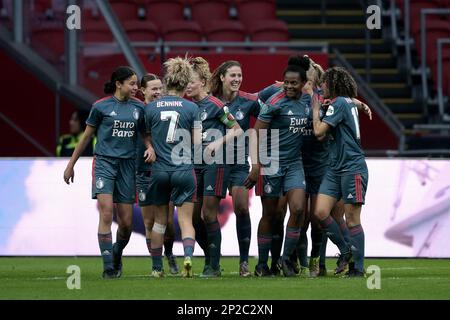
[
  {"x": 340, "y": 83},
  {"x": 298, "y": 64},
  {"x": 216, "y": 86},
  {"x": 120, "y": 74}
]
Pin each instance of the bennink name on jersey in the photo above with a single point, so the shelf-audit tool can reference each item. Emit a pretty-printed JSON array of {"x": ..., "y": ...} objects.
[{"x": 160, "y": 104}]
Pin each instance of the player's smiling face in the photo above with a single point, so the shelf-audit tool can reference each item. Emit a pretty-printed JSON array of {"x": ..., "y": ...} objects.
[
  {"x": 129, "y": 86},
  {"x": 232, "y": 79},
  {"x": 195, "y": 86},
  {"x": 152, "y": 90},
  {"x": 292, "y": 84}
]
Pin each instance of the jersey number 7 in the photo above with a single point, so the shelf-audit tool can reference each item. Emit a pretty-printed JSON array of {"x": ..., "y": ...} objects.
[{"x": 173, "y": 116}]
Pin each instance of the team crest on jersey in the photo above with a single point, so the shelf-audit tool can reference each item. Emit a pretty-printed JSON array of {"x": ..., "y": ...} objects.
[
  {"x": 203, "y": 115},
  {"x": 330, "y": 110},
  {"x": 307, "y": 111},
  {"x": 100, "y": 183},
  {"x": 136, "y": 114},
  {"x": 268, "y": 188},
  {"x": 142, "y": 196},
  {"x": 239, "y": 115}
]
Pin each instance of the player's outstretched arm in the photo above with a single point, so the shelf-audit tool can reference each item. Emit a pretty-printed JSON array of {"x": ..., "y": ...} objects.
[
  {"x": 363, "y": 107},
  {"x": 79, "y": 149}
]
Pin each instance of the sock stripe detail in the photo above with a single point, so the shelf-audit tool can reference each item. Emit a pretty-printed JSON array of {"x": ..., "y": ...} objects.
[
  {"x": 356, "y": 230},
  {"x": 105, "y": 237},
  {"x": 325, "y": 223},
  {"x": 156, "y": 252}
]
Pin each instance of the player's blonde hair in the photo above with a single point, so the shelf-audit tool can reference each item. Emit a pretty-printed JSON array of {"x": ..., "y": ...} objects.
[
  {"x": 178, "y": 74},
  {"x": 314, "y": 72},
  {"x": 201, "y": 67}
]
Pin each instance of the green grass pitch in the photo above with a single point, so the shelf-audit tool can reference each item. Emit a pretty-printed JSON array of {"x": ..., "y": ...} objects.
[{"x": 45, "y": 278}]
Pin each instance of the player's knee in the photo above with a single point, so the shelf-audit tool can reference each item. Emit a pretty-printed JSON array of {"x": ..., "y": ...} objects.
[
  {"x": 106, "y": 217},
  {"x": 321, "y": 214},
  {"x": 242, "y": 211},
  {"x": 352, "y": 219},
  {"x": 126, "y": 228}
]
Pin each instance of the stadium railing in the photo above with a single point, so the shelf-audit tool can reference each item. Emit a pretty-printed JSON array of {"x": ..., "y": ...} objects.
[
  {"x": 423, "y": 49},
  {"x": 375, "y": 102},
  {"x": 440, "y": 43}
]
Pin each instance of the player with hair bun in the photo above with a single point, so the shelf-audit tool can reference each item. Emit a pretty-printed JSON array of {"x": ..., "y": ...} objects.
[{"x": 284, "y": 112}]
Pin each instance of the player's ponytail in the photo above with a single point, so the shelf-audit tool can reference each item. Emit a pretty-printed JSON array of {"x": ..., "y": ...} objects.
[
  {"x": 120, "y": 74},
  {"x": 298, "y": 64},
  {"x": 178, "y": 74}
]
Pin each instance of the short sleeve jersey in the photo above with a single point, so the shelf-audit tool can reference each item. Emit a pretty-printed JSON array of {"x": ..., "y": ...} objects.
[
  {"x": 118, "y": 123},
  {"x": 242, "y": 108},
  {"x": 289, "y": 117},
  {"x": 269, "y": 91},
  {"x": 215, "y": 118},
  {"x": 170, "y": 121},
  {"x": 347, "y": 155}
]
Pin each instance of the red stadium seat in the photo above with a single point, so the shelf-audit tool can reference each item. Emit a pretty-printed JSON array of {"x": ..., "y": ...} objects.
[
  {"x": 182, "y": 30},
  {"x": 138, "y": 30},
  {"x": 97, "y": 70},
  {"x": 268, "y": 30},
  {"x": 97, "y": 31},
  {"x": 125, "y": 9},
  {"x": 225, "y": 30},
  {"x": 161, "y": 12},
  {"x": 41, "y": 6},
  {"x": 48, "y": 40},
  {"x": 204, "y": 11},
  {"x": 250, "y": 10}
]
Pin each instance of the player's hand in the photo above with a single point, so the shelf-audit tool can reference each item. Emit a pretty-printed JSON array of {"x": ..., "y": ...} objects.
[
  {"x": 367, "y": 110},
  {"x": 252, "y": 177},
  {"x": 149, "y": 155},
  {"x": 212, "y": 148},
  {"x": 315, "y": 101},
  {"x": 308, "y": 88},
  {"x": 69, "y": 175}
]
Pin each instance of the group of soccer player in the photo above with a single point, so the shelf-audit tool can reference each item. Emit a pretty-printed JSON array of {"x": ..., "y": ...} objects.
[{"x": 172, "y": 152}]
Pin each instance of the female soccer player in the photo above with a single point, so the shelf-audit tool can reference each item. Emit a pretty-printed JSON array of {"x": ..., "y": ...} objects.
[
  {"x": 285, "y": 113},
  {"x": 117, "y": 119},
  {"x": 347, "y": 176},
  {"x": 225, "y": 83},
  {"x": 151, "y": 89},
  {"x": 211, "y": 171},
  {"x": 170, "y": 121}
]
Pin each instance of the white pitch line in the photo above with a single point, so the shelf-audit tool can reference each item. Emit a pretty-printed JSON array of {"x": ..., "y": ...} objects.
[{"x": 51, "y": 278}]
